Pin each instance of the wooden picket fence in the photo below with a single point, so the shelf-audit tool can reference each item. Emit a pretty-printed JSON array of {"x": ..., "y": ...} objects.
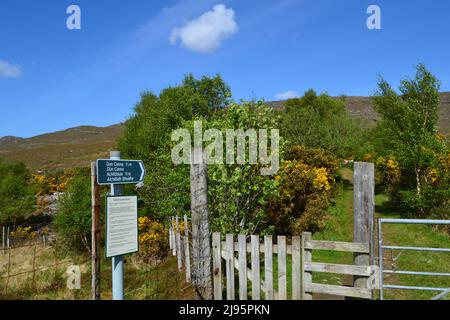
[
  {"x": 180, "y": 245},
  {"x": 231, "y": 268}
]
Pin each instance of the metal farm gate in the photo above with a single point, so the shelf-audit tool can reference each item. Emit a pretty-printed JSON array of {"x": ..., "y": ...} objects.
[{"x": 382, "y": 247}]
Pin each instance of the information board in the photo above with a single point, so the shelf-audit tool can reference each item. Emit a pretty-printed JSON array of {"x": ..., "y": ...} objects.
[{"x": 121, "y": 225}]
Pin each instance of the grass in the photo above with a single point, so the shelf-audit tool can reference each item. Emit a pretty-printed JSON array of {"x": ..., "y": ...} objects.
[
  {"x": 414, "y": 235},
  {"x": 142, "y": 281},
  {"x": 340, "y": 228}
]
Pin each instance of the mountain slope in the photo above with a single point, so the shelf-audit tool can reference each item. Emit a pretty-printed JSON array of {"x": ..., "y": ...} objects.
[
  {"x": 70, "y": 148},
  {"x": 362, "y": 107}
]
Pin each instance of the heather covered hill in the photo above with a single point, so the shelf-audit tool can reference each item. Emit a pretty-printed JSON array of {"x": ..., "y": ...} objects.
[
  {"x": 363, "y": 107},
  {"x": 69, "y": 148}
]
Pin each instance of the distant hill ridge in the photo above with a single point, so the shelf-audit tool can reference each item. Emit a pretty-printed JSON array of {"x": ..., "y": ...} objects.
[
  {"x": 75, "y": 147},
  {"x": 69, "y": 148},
  {"x": 362, "y": 107}
]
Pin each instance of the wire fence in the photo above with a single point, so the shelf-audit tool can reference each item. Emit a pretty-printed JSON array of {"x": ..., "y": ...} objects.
[
  {"x": 29, "y": 266},
  {"x": 187, "y": 248},
  {"x": 40, "y": 268}
]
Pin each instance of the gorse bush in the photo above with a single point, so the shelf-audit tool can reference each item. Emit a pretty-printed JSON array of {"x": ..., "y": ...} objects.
[
  {"x": 23, "y": 232},
  {"x": 49, "y": 184},
  {"x": 306, "y": 182},
  {"x": 153, "y": 245}
]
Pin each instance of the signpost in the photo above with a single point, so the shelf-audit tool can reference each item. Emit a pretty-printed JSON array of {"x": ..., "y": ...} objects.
[
  {"x": 121, "y": 228},
  {"x": 116, "y": 171}
]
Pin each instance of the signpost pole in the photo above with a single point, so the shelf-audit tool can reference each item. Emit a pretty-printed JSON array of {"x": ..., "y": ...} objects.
[{"x": 117, "y": 262}]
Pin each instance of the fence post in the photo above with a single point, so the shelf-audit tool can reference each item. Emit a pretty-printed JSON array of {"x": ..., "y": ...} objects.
[
  {"x": 282, "y": 292},
  {"x": 170, "y": 236},
  {"x": 187, "y": 257},
  {"x": 201, "y": 251},
  {"x": 3, "y": 238},
  {"x": 95, "y": 233},
  {"x": 364, "y": 204},
  {"x": 7, "y": 239},
  {"x": 268, "y": 267},
  {"x": 230, "y": 266},
  {"x": 256, "y": 281},
  {"x": 9, "y": 271},
  {"x": 296, "y": 248},
  {"x": 34, "y": 266},
  {"x": 306, "y": 259},
  {"x": 178, "y": 243},
  {"x": 242, "y": 243},
  {"x": 217, "y": 266}
]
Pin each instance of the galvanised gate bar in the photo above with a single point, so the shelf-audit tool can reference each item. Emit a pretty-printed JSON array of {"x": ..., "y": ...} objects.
[{"x": 381, "y": 247}]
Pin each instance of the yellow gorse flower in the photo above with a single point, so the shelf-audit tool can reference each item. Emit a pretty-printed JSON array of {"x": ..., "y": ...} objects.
[
  {"x": 24, "y": 233},
  {"x": 321, "y": 180}
]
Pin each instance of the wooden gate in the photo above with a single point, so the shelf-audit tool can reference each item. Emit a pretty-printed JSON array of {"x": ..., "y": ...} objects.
[{"x": 261, "y": 261}]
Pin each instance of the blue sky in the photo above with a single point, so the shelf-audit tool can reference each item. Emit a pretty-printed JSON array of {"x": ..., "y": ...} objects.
[{"x": 52, "y": 78}]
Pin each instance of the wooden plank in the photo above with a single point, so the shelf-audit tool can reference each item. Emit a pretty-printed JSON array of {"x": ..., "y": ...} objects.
[
  {"x": 261, "y": 248},
  {"x": 242, "y": 244},
  {"x": 338, "y": 269},
  {"x": 256, "y": 282},
  {"x": 296, "y": 253},
  {"x": 187, "y": 254},
  {"x": 178, "y": 244},
  {"x": 249, "y": 272},
  {"x": 217, "y": 266},
  {"x": 282, "y": 274},
  {"x": 306, "y": 276},
  {"x": 268, "y": 267},
  {"x": 364, "y": 206},
  {"x": 174, "y": 249},
  {"x": 337, "y": 246},
  {"x": 339, "y": 290},
  {"x": 170, "y": 238},
  {"x": 230, "y": 266}
]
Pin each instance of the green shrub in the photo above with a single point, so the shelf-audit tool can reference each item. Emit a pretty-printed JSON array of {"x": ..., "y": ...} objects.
[
  {"x": 73, "y": 219},
  {"x": 17, "y": 199},
  {"x": 320, "y": 121},
  {"x": 239, "y": 194},
  {"x": 407, "y": 134}
]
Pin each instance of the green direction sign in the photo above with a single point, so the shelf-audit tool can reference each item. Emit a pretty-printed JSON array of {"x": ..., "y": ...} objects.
[{"x": 120, "y": 171}]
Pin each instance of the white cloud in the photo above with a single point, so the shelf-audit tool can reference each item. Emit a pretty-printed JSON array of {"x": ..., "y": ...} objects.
[
  {"x": 206, "y": 33},
  {"x": 8, "y": 70},
  {"x": 287, "y": 95}
]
